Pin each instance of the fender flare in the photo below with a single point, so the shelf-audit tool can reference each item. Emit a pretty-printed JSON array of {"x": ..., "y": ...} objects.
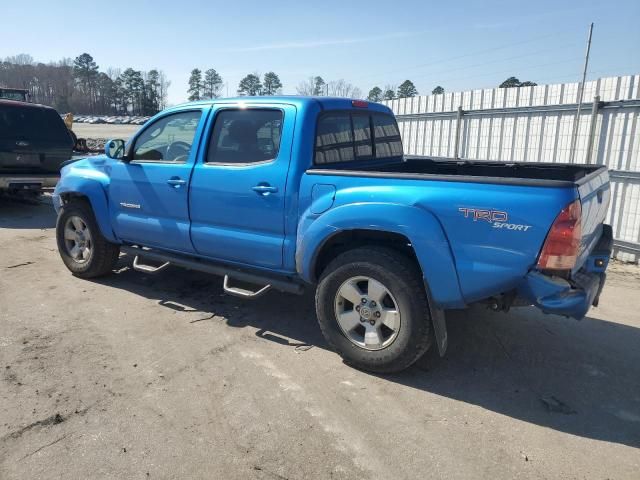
[
  {"x": 420, "y": 226},
  {"x": 94, "y": 191}
]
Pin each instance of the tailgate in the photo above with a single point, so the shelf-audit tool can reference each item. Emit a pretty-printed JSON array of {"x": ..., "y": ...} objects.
[{"x": 594, "y": 193}]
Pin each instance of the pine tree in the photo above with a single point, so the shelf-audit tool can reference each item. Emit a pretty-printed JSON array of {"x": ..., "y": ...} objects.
[
  {"x": 375, "y": 94},
  {"x": 250, "y": 85},
  {"x": 212, "y": 84},
  {"x": 271, "y": 84},
  {"x": 319, "y": 86},
  {"x": 407, "y": 89},
  {"x": 195, "y": 85},
  {"x": 389, "y": 94},
  {"x": 85, "y": 71}
]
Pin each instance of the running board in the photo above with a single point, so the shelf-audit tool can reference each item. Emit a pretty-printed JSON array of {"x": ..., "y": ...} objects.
[
  {"x": 281, "y": 283},
  {"x": 241, "y": 292},
  {"x": 148, "y": 268}
]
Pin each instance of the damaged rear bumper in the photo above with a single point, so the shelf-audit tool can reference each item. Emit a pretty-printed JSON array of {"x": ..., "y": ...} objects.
[{"x": 571, "y": 297}]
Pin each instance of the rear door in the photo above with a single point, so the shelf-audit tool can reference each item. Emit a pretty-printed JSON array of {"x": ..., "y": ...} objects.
[
  {"x": 149, "y": 194},
  {"x": 237, "y": 193}
]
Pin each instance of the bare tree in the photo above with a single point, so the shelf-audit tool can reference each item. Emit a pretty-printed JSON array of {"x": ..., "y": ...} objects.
[
  {"x": 306, "y": 87},
  {"x": 342, "y": 88},
  {"x": 79, "y": 86},
  {"x": 21, "y": 59},
  {"x": 163, "y": 89}
]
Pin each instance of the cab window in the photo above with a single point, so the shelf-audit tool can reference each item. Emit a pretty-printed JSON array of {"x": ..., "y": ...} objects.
[
  {"x": 350, "y": 136},
  {"x": 245, "y": 136},
  {"x": 168, "y": 139}
]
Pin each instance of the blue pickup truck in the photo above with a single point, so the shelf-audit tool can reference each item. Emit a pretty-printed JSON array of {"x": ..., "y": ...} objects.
[{"x": 289, "y": 193}]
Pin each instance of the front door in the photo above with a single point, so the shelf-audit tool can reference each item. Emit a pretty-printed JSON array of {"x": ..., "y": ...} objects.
[
  {"x": 149, "y": 193},
  {"x": 237, "y": 193}
]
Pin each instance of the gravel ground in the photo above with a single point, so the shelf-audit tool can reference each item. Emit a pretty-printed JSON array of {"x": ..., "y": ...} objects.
[
  {"x": 138, "y": 376},
  {"x": 104, "y": 131}
]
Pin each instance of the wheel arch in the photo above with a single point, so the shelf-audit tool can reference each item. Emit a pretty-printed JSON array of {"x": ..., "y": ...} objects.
[
  {"x": 344, "y": 240},
  {"x": 411, "y": 230},
  {"x": 94, "y": 194}
]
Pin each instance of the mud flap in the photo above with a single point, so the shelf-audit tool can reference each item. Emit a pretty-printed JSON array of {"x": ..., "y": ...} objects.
[
  {"x": 440, "y": 329},
  {"x": 439, "y": 323}
]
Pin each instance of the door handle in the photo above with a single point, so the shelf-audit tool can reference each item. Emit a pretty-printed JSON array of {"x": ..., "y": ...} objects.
[
  {"x": 176, "y": 182},
  {"x": 264, "y": 189}
]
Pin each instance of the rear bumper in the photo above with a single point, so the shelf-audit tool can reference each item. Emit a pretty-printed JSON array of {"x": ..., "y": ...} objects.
[
  {"x": 27, "y": 182},
  {"x": 575, "y": 296}
]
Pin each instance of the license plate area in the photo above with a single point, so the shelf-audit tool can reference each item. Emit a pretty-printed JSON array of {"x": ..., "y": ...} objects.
[
  {"x": 27, "y": 159},
  {"x": 25, "y": 185}
]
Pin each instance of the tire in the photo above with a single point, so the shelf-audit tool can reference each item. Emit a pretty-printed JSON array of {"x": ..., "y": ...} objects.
[
  {"x": 102, "y": 255},
  {"x": 368, "y": 346}
]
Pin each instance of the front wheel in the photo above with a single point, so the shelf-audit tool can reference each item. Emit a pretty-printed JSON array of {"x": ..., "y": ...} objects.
[
  {"x": 83, "y": 249},
  {"x": 372, "y": 309}
]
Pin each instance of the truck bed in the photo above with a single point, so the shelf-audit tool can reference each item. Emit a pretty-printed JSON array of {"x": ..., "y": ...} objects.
[
  {"x": 521, "y": 173},
  {"x": 490, "y": 256}
]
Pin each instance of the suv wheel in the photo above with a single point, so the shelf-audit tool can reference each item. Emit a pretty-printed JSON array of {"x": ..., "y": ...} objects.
[
  {"x": 83, "y": 249},
  {"x": 372, "y": 309}
]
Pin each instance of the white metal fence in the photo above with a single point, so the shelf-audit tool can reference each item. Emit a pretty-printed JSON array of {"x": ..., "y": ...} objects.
[{"x": 535, "y": 124}]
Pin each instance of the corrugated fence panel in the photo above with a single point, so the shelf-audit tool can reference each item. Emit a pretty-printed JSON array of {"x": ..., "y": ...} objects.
[{"x": 536, "y": 124}]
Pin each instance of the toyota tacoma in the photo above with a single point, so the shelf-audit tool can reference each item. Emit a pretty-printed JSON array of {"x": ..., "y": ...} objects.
[{"x": 290, "y": 193}]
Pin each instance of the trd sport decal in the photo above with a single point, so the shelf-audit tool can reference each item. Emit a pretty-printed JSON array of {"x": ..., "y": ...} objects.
[{"x": 497, "y": 218}]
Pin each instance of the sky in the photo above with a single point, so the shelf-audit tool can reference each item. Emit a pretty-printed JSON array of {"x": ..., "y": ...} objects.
[{"x": 459, "y": 45}]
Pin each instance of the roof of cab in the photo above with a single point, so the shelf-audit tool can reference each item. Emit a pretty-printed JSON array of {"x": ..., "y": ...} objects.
[
  {"x": 325, "y": 103},
  {"x": 20, "y": 104}
]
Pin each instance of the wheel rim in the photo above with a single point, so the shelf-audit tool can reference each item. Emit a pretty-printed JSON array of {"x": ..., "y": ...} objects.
[
  {"x": 367, "y": 313},
  {"x": 77, "y": 239}
]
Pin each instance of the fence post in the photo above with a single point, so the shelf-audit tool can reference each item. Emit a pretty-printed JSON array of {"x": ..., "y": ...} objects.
[
  {"x": 456, "y": 154},
  {"x": 592, "y": 128}
]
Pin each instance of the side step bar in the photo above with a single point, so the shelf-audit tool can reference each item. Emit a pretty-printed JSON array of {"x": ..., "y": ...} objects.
[
  {"x": 241, "y": 292},
  {"x": 148, "y": 268},
  {"x": 282, "y": 284}
]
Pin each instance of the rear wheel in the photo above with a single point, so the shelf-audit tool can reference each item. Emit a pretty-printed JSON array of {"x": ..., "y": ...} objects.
[
  {"x": 372, "y": 309},
  {"x": 83, "y": 249}
]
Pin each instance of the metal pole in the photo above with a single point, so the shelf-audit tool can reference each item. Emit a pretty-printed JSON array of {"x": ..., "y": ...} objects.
[
  {"x": 592, "y": 127},
  {"x": 458, "y": 124},
  {"x": 574, "y": 137}
]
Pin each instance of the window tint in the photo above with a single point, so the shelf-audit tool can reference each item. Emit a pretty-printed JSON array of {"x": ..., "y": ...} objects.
[
  {"x": 245, "y": 136},
  {"x": 334, "y": 139},
  {"x": 387, "y": 136},
  {"x": 362, "y": 136},
  {"x": 168, "y": 139},
  {"x": 345, "y": 136},
  {"x": 9, "y": 95},
  {"x": 32, "y": 123}
]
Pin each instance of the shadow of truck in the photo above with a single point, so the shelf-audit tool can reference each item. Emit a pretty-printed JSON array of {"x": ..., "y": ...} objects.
[{"x": 581, "y": 378}]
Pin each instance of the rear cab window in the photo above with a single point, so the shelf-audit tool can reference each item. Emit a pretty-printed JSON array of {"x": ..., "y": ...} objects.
[
  {"x": 245, "y": 136},
  {"x": 354, "y": 135},
  {"x": 32, "y": 124}
]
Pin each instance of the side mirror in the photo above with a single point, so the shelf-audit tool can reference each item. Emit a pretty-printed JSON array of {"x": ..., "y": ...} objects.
[{"x": 115, "y": 149}]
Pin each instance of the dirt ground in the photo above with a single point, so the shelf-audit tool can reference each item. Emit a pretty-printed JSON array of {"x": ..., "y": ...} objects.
[
  {"x": 139, "y": 376},
  {"x": 106, "y": 131}
]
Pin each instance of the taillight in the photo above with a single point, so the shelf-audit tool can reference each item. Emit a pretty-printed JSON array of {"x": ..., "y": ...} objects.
[
  {"x": 561, "y": 248},
  {"x": 359, "y": 104}
]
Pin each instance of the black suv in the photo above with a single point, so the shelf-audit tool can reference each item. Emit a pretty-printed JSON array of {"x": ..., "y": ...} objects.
[{"x": 34, "y": 142}]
